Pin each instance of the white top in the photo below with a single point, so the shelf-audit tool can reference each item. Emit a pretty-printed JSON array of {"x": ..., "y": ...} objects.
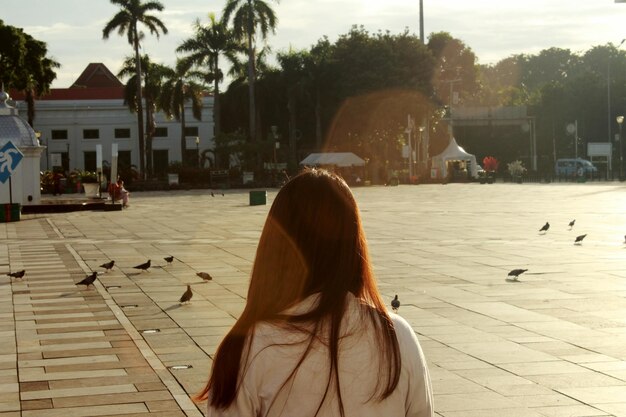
[{"x": 276, "y": 350}]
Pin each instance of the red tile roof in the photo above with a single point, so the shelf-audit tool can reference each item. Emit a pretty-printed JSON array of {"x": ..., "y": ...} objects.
[{"x": 96, "y": 75}]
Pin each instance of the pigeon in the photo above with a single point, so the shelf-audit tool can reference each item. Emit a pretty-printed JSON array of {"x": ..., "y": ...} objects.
[
  {"x": 18, "y": 274},
  {"x": 571, "y": 224},
  {"x": 169, "y": 259},
  {"x": 108, "y": 266},
  {"x": 144, "y": 266},
  {"x": 212, "y": 195},
  {"x": 186, "y": 297},
  {"x": 395, "y": 304},
  {"x": 205, "y": 276},
  {"x": 579, "y": 238},
  {"x": 222, "y": 194},
  {"x": 516, "y": 273},
  {"x": 89, "y": 279},
  {"x": 545, "y": 227}
]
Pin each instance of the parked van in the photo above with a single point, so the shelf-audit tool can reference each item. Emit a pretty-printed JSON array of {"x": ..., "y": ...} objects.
[{"x": 574, "y": 167}]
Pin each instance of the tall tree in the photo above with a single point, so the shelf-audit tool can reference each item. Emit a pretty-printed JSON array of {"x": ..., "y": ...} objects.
[
  {"x": 12, "y": 52},
  {"x": 177, "y": 89},
  {"x": 205, "y": 48},
  {"x": 292, "y": 65},
  {"x": 25, "y": 66},
  {"x": 251, "y": 18},
  {"x": 153, "y": 79},
  {"x": 127, "y": 20}
]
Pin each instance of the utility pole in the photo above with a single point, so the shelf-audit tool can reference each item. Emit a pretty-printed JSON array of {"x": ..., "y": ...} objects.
[{"x": 422, "y": 21}]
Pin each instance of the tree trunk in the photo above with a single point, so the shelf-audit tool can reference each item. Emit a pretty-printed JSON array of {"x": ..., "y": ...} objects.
[
  {"x": 291, "y": 107},
  {"x": 149, "y": 134},
  {"x": 251, "y": 81},
  {"x": 140, "y": 131},
  {"x": 30, "y": 102},
  {"x": 318, "y": 120},
  {"x": 183, "y": 140},
  {"x": 216, "y": 102}
]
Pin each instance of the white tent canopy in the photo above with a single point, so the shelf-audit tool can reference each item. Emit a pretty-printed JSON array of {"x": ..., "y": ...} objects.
[
  {"x": 453, "y": 152},
  {"x": 340, "y": 159}
]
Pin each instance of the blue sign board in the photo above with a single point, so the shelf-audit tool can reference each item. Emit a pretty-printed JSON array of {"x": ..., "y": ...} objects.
[{"x": 10, "y": 158}]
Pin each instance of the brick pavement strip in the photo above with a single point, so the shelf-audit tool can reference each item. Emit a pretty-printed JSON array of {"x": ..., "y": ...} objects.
[
  {"x": 75, "y": 344},
  {"x": 549, "y": 345}
]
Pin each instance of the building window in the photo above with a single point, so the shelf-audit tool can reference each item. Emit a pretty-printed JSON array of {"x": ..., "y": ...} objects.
[
  {"x": 160, "y": 159},
  {"x": 91, "y": 134},
  {"x": 123, "y": 160},
  {"x": 89, "y": 161},
  {"x": 59, "y": 134},
  {"x": 191, "y": 131},
  {"x": 160, "y": 132},
  {"x": 122, "y": 133}
]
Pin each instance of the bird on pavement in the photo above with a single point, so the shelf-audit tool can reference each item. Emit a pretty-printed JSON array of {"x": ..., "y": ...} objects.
[
  {"x": 571, "y": 224},
  {"x": 144, "y": 266},
  {"x": 212, "y": 195},
  {"x": 545, "y": 227},
  {"x": 395, "y": 304},
  {"x": 516, "y": 273},
  {"x": 205, "y": 276},
  {"x": 108, "y": 266},
  {"x": 89, "y": 279},
  {"x": 579, "y": 239},
  {"x": 186, "y": 297},
  {"x": 18, "y": 274},
  {"x": 169, "y": 259}
]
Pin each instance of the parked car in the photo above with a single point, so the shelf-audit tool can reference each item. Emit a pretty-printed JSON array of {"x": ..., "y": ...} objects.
[{"x": 570, "y": 167}]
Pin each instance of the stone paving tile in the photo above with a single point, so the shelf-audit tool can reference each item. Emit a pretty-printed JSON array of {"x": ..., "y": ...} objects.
[{"x": 495, "y": 347}]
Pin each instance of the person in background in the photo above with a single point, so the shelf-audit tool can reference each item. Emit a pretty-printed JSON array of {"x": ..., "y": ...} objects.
[
  {"x": 118, "y": 192},
  {"x": 315, "y": 338}
]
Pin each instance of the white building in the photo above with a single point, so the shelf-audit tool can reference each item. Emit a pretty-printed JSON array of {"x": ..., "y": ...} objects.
[{"x": 72, "y": 121}]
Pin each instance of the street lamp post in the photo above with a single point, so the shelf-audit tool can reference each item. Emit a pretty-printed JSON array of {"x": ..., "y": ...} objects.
[
  {"x": 608, "y": 85},
  {"x": 409, "y": 129},
  {"x": 620, "y": 120},
  {"x": 198, "y": 149},
  {"x": 419, "y": 155}
]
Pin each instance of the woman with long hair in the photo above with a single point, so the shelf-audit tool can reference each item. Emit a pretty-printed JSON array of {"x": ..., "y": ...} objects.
[{"x": 315, "y": 338}]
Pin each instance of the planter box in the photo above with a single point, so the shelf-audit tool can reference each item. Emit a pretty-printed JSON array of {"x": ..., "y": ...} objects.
[
  {"x": 10, "y": 212},
  {"x": 172, "y": 179},
  {"x": 91, "y": 189}
]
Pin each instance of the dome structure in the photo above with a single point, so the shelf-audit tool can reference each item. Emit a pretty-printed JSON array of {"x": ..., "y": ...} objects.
[
  {"x": 14, "y": 128},
  {"x": 24, "y": 184}
]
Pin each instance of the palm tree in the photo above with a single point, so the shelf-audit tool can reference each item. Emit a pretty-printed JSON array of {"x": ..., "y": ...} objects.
[
  {"x": 153, "y": 78},
  {"x": 293, "y": 72},
  {"x": 251, "y": 17},
  {"x": 175, "y": 91},
  {"x": 133, "y": 12},
  {"x": 204, "y": 50}
]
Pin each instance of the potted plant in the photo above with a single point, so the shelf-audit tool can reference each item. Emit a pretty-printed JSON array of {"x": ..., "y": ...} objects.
[
  {"x": 490, "y": 165},
  {"x": 516, "y": 169},
  {"x": 173, "y": 173},
  {"x": 89, "y": 180}
]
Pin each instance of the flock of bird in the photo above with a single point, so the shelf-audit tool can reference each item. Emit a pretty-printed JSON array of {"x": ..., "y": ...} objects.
[
  {"x": 91, "y": 278},
  {"x": 514, "y": 273}
]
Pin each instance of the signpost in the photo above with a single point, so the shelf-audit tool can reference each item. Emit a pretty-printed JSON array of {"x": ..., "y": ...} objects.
[{"x": 10, "y": 158}]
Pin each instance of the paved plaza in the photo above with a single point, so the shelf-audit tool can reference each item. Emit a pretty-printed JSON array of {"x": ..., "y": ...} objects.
[{"x": 552, "y": 344}]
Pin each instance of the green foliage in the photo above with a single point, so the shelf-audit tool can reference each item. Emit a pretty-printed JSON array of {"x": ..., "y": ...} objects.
[{"x": 25, "y": 66}]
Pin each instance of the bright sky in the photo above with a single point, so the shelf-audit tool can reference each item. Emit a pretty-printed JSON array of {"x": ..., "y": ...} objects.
[{"x": 494, "y": 29}]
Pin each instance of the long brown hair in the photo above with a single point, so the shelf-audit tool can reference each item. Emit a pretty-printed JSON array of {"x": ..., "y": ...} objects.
[{"x": 312, "y": 242}]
